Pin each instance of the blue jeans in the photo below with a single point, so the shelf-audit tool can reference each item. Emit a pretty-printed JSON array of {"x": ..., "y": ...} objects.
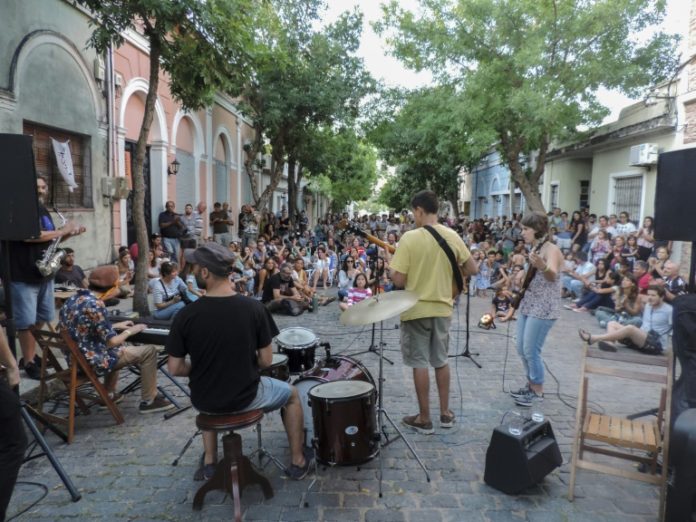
[
  {"x": 172, "y": 245},
  {"x": 169, "y": 312},
  {"x": 572, "y": 285},
  {"x": 531, "y": 334},
  {"x": 592, "y": 300}
]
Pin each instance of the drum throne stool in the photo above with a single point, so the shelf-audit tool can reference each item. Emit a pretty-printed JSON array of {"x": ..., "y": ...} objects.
[{"x": 234, "y": 472}]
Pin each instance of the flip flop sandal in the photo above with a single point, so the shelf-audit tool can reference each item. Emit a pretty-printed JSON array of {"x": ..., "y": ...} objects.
[{"x": 585, "y": 336}]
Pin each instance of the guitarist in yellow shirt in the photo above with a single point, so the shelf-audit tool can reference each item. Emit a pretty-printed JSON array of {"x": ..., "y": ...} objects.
[{"x": 421, "y": 265}]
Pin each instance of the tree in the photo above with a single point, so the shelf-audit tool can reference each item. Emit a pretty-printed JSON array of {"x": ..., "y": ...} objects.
[
  {"x": 431, "y": 138},
  {"x": 301, "y": 77},
  {"x": 529, "y": 70},
  {"x": 202, "y": 46}
]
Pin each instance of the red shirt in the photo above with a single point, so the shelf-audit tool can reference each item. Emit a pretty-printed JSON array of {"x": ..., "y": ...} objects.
[{"x": 644, "y": 282}]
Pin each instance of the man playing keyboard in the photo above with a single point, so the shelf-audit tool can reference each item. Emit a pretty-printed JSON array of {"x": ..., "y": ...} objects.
[{"x": 85, "y": 319}]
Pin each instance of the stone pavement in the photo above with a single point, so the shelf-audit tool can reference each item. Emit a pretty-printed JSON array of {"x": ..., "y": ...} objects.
[{"x": 125, "y": 472}]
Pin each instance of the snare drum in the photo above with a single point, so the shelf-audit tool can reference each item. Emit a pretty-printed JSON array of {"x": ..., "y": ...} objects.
[
  {"x": 344, "y": 421},
  {"x": 299, "y": 345},
  {"x": 278, "y": 368},
  {"x": 335, "y": 368}
]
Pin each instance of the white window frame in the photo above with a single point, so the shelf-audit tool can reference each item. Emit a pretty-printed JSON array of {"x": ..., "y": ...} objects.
[
  {"x": 554, "y": 183},
  {"x": 610, "y": 198}
]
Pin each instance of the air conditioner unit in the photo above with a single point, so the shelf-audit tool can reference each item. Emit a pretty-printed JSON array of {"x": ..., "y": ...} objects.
[{"x": 643, "y": 155}]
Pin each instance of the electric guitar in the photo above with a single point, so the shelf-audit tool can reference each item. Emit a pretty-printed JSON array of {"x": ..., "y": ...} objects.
[{"x": 531, "y": 272}]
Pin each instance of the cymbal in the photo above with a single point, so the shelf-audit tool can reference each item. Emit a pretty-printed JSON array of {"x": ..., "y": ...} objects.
[{"x": 379, "y": 307}]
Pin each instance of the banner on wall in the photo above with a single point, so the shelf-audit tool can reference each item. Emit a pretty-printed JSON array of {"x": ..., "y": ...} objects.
[{"x": 64, "y": 161}]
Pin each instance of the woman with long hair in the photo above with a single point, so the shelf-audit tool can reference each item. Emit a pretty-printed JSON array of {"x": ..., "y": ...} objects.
[
  {"x": 267, "y": 270},
  {"x": 539, "y": 307},
  {"x": 346, "y": 277},
  {"x": 628, "y": 306},
  {"x": 646, "y": 238},
  {"x": 578, "y": 230}
]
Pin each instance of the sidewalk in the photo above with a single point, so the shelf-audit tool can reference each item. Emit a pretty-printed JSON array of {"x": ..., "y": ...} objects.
[{"x": 125, "y": 472}]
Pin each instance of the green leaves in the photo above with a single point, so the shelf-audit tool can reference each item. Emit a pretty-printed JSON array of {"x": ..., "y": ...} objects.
[{"x": 530, "y": 69}]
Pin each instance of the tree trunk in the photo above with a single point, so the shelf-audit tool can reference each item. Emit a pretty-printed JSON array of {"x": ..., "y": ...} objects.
[
  {"x": 530, "y": 189},
  {"x": 140, "y": 303},
  {"x": 252, "y": 152},
  {"x": 292, "y": 191}
]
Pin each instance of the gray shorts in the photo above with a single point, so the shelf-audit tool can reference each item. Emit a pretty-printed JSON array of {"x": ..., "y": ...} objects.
[{"x": 425, "y": 342}]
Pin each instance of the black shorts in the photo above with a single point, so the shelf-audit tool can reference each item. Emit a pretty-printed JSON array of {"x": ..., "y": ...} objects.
[{"x": 652, "y": 345}]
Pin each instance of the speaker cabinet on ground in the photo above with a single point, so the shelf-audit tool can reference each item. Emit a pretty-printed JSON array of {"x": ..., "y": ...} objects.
[
  {"x": 516, "y": 462},
  {"x": 675, "y": 194},
  {"x": 19, "y": 207}
]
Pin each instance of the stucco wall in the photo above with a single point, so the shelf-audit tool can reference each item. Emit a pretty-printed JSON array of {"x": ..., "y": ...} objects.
[
  {"x": 567, "y": 173},
  {"x": 46, "y": 76}
]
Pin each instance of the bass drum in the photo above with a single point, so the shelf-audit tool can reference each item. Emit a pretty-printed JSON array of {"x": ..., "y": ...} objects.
[
  {"x": 299, "y": 345},
  {"x": 344, "y": 422},
  {"x": 340, "y": 367}
]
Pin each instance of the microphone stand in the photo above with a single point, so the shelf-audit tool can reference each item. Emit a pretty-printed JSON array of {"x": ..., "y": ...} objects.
[{"x": 467, "y": 353}]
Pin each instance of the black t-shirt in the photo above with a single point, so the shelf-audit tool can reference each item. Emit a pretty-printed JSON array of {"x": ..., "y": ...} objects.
[
  {"x": 278, "y": 283},
  {"x": 222, "y": 336},
  {"x": 174, "y": 230},
  {"x": 502, "y": 304},
  {"x": 23, "y": 255},
  {"x": 74, "y": 276}
]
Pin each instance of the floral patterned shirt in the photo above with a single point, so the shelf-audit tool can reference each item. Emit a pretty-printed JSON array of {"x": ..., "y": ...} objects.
[{"x": 84, "y": 318}]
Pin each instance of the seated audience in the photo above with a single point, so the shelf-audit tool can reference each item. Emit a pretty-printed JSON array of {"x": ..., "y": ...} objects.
[{"x": 69, "y": 273}]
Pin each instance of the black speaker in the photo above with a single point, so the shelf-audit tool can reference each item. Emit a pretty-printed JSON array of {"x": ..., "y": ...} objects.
[
  {"x": 681, "y": 490},
  {"x": 516, "y": 462},
  {"x": 19, "y": 207},
  {"x": 675, "y": 192}
]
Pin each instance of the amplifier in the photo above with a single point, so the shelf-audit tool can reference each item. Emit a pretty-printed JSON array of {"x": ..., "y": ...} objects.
[{"x": 516, "y": 462}]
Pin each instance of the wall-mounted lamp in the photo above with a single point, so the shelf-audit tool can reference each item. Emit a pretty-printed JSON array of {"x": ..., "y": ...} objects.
[{"x": 173, "y": 168}]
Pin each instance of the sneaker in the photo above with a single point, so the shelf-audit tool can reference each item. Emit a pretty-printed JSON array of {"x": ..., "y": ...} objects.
[
  {"x": 204, "y": 472},
  {"x": 36, "y": 360},
  {"x": 447, "y": 421},
  {"x": 520, "y": 393},
  {"x": 33, "y": 371},
  {"x": 299, "y": 472},
  {"x": 157, "y": 404},
  {"x": 606, "y": 347},
  {"x": 529, "y": 399},
  {"x": 425, "y": 428}
]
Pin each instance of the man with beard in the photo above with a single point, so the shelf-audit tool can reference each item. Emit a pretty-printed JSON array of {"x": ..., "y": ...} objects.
[
  {"x": 228, "y": 338},
  {"x": 70, "y": 273},
  {"x": 32, "y": 293}
]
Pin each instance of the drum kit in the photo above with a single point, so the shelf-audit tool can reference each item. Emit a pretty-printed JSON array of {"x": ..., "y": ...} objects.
[{"x": 344, "y": 414}]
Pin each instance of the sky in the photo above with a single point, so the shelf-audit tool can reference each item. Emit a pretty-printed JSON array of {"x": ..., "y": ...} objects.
[{"x": 382, "y": 66}]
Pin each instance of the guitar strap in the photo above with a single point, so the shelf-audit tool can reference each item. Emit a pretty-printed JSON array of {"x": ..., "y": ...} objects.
[{"x": 459, "y": 280}]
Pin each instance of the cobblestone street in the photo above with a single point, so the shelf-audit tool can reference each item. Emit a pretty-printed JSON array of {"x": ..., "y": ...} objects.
[{"x": 125, "y": 472}]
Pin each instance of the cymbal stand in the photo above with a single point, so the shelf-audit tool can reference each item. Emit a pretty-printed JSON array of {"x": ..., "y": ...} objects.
[
  {"x": 382, "y": 414},
  {"x": 375, "y": 292},
  {"x": 467, "y": 353}
]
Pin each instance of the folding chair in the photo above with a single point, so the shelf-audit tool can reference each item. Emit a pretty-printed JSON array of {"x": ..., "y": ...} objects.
[
  {"x": 77, "y": 378},
  {"x": 620, "y": 437}
]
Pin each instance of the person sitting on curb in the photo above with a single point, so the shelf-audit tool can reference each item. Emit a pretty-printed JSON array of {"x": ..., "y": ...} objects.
[{"x": 650, "y": 338}]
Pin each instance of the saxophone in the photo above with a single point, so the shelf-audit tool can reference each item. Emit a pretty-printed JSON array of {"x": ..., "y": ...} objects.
[{"x": 49, "y": 264}]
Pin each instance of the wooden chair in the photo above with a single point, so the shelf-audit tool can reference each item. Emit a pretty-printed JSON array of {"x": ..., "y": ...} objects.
[
  {"x": 81, "y": 382},
  {"x": 619, "y": 437}
]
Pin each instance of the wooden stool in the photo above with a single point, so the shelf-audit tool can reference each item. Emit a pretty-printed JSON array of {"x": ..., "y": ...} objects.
[{"x": 234, "y": 472}]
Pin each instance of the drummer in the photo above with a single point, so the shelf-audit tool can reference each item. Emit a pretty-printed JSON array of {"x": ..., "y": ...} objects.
[{"x": 228, "y": 338}]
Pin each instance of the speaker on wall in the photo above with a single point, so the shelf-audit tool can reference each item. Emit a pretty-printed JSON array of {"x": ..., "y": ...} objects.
[
  {"x": 516, "y": 462},
  {"x": 675, "y": 193},
  {"x": 19, "y": 206}
]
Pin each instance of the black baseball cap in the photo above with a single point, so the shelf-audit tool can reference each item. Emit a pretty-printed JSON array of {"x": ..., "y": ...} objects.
[{"x": 213, "y": 256}]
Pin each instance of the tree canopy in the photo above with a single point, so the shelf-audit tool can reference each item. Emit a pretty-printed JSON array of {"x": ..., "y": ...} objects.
[
  {"x": 528, "y": 71},
  {"x": 301, "y": 77}
]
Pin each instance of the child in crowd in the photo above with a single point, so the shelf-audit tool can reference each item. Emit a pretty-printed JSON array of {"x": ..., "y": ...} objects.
[
  {"x": 357, "y": 293},
  {"x": 502, "y": 304}
]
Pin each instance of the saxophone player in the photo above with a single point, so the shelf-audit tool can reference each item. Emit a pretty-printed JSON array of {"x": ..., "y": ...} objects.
[{"x": 32, "y": 292}]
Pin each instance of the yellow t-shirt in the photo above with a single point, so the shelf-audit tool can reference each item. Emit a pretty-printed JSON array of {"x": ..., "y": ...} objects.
[{"x": 428, "y": 270}]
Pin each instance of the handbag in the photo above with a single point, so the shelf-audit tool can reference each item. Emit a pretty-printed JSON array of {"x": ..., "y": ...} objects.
[{"x": 458, "y": 284}]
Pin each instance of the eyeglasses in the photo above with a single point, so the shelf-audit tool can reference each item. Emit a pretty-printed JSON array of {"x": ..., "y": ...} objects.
[{"x": 349, "y": 261}]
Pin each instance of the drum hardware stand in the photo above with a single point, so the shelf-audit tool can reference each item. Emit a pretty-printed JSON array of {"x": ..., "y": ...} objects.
[
  {"x": 382, "y": 413},
  {"x": 29, "y": 413},
  {"x": 466, "y": 353},
  {"x": 374, "y": 347}
]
